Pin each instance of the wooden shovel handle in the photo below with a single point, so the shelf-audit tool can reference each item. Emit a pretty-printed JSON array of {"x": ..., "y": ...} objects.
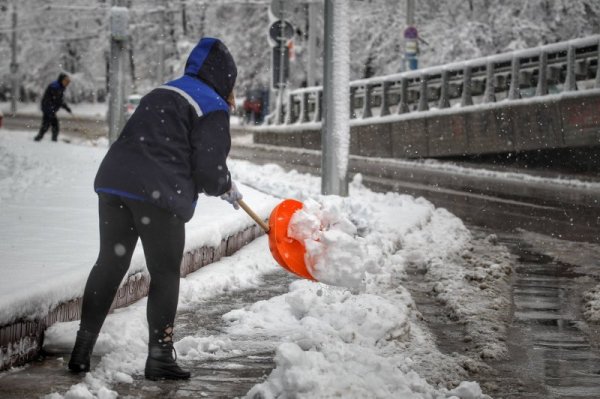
[{"x": 253, "y": 215}]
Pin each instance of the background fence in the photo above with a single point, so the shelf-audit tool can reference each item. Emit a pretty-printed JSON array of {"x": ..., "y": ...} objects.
[{"x": 550, "y": 69}]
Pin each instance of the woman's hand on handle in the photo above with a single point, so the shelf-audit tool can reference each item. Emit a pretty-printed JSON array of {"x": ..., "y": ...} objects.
[{"x": 233, "y": 196}]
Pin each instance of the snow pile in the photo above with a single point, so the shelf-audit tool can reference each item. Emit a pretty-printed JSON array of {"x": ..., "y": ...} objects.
[
  {"x": 352, "y": 342},
  {"x": 400, "y": 233},
  {"x": 336, "y": 343},
  {"x": 312, "y": 313},
  {"x": 339, "y": 344},
  {"x": 334, "y": 253}
]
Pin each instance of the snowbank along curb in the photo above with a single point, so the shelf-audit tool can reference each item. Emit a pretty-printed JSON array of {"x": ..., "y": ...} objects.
[{"x": 22, "y": 340}]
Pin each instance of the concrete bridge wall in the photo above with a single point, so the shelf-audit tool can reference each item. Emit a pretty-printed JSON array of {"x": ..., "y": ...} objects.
[{"x": 566, "y": 120}]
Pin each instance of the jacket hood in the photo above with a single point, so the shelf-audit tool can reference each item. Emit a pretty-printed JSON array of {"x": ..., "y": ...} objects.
[
  {"x": 60, "y": 78},
  {"x": 211, "y": 62}
]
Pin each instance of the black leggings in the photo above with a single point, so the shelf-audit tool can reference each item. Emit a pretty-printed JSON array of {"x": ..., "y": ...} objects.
[
  {"x": 122, "y": 221},
  {"x": 47, "y": 121}
]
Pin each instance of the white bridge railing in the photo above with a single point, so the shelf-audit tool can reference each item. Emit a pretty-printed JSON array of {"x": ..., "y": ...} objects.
[{"x": 554, "y": 68}]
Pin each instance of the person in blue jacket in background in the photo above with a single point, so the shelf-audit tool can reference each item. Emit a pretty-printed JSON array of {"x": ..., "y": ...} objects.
[
  {"x": 173, "y": 147},
  {"x": 52, "y": 101}
]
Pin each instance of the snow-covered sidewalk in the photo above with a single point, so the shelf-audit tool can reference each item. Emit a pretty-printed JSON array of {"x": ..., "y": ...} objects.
[
  {"x": 330, "y": 341},
  {"x": 88, "y": 110},
  {"x": 48, "y": 213}
]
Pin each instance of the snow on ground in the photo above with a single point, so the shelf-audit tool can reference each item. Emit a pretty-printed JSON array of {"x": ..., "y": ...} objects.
[
  {"x": 79, "y": 110},
  {"x": 470, "y": 277},
  {"x": 330, "y": 341},
  {"x": 86, "y": 110},
  {"x": 49, "y": 239}
]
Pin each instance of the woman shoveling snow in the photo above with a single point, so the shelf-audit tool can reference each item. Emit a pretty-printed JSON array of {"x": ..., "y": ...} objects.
[{"x": 173, "y": 147}]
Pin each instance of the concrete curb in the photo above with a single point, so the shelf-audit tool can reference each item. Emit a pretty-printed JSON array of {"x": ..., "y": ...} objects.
[{"x": 22, "y": 340}]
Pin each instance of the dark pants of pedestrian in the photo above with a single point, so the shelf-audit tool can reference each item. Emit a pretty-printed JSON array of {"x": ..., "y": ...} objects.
[
  {"x": 47, "y": 121},
  {"x": 162, "y": 233}
]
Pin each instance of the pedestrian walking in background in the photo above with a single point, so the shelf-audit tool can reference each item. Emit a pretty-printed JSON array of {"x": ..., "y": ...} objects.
[
  {"x": 52, "y": 101},
  {"x": 174, "y": 146}
]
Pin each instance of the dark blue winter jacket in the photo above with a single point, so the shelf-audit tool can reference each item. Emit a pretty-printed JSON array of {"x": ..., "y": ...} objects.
[
  {"x": 175, "y": 145},
  {"x": 52, "y": 100}
]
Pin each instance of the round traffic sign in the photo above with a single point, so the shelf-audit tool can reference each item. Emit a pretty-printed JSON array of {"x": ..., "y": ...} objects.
[
  {"x": 280, "y": 31},
  {"x": 411, "y": 33}
]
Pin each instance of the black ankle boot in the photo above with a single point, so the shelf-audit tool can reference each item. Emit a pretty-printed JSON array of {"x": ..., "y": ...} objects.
[
  {"x": 161, "y": 364},
  {"x": 82, "y": 351}
]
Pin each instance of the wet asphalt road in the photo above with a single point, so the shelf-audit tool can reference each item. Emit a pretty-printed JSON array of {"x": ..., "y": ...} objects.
[{"x": 553, "y": 352}]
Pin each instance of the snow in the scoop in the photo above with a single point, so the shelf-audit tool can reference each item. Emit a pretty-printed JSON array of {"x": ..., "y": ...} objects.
[{"x": 335, "y": 253}]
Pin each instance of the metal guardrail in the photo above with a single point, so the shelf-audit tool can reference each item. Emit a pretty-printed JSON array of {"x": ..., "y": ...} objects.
[{"x": 554, "y": 68}]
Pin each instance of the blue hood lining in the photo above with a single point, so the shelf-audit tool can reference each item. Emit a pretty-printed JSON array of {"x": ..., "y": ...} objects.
[
  {"x": 198, "y": 56},
  {"x": 205, "y": 98}
]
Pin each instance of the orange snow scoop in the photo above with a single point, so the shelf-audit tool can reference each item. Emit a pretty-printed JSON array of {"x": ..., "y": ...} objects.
[{"x": 287, "y": 251}]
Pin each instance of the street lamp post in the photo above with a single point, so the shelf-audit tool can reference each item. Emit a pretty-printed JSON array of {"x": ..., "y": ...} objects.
[
  {"x": 335, "y": 133},
  {"x": 280, "y": 32},
  {"x": 14, "y": 66},
  {"x": 312, "y": 44}
]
